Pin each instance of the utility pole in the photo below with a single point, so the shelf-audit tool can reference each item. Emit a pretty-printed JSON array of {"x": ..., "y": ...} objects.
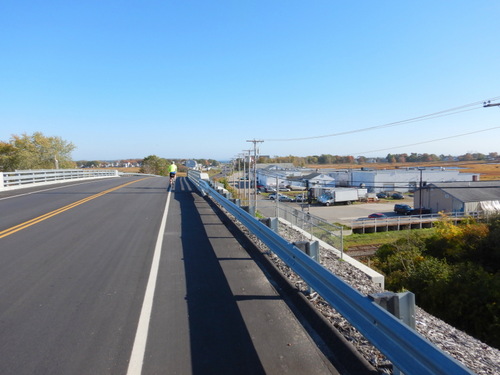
[
  {"x": 246, "y": 180},
  {"x": 420, "y": 192},
  {"x": 240, "y": 179},
  {"x": 255, "y": 141}
]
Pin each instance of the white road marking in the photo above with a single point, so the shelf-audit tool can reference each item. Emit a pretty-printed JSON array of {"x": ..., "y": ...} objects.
[
  {"x": 141, "y": 335},
  {"x": 41, "y": 191}
]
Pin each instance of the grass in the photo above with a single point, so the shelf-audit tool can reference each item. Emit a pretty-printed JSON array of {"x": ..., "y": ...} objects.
[{"x": 381, "y": 238}]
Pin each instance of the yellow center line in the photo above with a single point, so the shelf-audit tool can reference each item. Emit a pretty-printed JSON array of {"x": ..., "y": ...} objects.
[{"x": 26, "y": 224}]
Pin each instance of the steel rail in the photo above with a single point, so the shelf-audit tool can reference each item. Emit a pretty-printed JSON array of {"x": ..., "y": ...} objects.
[{"x": 404, "y": 347}]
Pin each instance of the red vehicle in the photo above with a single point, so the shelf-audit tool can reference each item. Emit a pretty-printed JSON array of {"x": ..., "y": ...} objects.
[{"x": 376, "y": 216}]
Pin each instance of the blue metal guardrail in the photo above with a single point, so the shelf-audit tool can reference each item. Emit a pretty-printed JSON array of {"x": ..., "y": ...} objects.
[{"x": 410, "y": 352}]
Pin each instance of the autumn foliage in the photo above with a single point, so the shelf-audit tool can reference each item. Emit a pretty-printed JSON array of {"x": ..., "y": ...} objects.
[{"x": 455, "y": 274}]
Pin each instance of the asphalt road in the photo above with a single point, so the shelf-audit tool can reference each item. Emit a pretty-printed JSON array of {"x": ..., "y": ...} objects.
[{"x": 121, "y": 276}]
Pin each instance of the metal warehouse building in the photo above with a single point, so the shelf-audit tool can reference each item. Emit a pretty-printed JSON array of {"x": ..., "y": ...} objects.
[
  {"x": 465, "y": 197},
  {"x": 407, "y": 179}
]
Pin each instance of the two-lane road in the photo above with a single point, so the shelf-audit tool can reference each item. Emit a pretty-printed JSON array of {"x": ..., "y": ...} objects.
[{"x": 122, "y": 276}]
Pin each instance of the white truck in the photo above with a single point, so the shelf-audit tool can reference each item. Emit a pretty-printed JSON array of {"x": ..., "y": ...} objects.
[{"x": 346, "y": 196}]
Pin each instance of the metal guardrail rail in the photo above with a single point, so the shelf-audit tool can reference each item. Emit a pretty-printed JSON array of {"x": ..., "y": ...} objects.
[
  {"x": 404, "y": 347},
  {"x": 27, "y": 178},
  {"x": 410, "y": 221},
  {"x": 414, "y": 219}
]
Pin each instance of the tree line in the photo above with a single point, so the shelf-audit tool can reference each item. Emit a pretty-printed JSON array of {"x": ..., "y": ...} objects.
[
  {"x": 37, "y": 151},
  {"x": 454, "y": 273},
  {"x": 390, "y": 158}
]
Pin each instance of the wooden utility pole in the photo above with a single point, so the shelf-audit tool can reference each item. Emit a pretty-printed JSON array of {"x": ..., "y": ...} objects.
[{"x": 255, "y": 141}]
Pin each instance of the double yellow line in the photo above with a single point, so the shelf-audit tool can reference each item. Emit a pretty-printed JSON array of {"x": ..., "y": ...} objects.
[{"x": 29, "y": 223}]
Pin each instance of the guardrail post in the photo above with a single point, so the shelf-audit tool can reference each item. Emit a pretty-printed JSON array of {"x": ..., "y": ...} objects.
[
  {"x": 271, "y": 222},
  {"x": 311, "y": 249},
  {"x": 401, "y": 305}
]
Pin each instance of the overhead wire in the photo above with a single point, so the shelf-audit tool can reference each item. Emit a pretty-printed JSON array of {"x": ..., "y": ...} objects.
[
  {"x": 446, "y": 112},
  {"x": 429, "y": 141}
]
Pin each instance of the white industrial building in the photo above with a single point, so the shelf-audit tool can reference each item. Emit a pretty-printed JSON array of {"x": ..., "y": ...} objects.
[
  {"x": 273, "y": 175},
  {"x": 404, "y": 180},
  {"x": 295, "y": 178},
  {"x": 375, "y": 180}
]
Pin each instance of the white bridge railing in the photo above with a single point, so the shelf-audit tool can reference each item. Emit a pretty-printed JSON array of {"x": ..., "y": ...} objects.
[{"x": 29, "y": 178}]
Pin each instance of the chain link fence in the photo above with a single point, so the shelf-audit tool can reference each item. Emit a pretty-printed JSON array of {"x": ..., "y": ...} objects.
[{"x": 330, "y": 233}]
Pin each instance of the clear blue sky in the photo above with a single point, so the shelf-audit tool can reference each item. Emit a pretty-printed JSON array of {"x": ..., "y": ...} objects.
[{"x": 198, "y": 78}]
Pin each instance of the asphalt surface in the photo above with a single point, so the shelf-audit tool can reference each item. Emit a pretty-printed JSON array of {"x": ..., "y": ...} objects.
[
  {"x": 341, "y": 213},
  {"x": 79, "y": 262}
]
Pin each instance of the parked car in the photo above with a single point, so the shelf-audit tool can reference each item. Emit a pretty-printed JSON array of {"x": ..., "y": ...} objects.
[
  {"x": 281, "y": 197},
  {"x": 284, "y": 189},
  {"x": 376, "y": 216},
  {"x": 397, "y": 196},
  {"x": 402, "y": 209},
  {"x": 382, "y": 195},
  {"x": 301, "y": 198}
]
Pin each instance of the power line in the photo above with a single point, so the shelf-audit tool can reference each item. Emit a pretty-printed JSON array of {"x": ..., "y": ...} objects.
[
  {"x": 490, "y": 104},
  {"x": 429, "y": 141},
  {"x": 446, "y": 112}
]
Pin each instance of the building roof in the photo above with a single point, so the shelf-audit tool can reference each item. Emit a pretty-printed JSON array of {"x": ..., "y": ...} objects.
[
  {"x": 276, "y": 166},
  {"x": 473, "y": 191},
  {"x": 312, "y": 176}
]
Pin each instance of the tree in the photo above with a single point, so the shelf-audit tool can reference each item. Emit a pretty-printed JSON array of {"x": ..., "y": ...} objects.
[
  {"x": 398, "y": 260},
  {"x": 457, "y": 243},
  {"x": 154, "y": 165},
  {"x": 7, "y": 157},
  {"x": 325, "y": 159},
  {"x": 36, "y": 151},
  {"x": 390, "y": 158}
]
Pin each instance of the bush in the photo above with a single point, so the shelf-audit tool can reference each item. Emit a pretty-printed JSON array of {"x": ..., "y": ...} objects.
[{"x": 454, "y": 274}]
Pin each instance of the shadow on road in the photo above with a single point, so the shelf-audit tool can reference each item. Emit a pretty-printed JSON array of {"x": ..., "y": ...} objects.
[{"x": 220, "y": 341}]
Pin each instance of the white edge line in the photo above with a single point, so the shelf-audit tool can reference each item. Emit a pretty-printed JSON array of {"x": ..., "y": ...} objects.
[
  {"x": 141, "y": 335},
  {"x": 41, "y": 191}
]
